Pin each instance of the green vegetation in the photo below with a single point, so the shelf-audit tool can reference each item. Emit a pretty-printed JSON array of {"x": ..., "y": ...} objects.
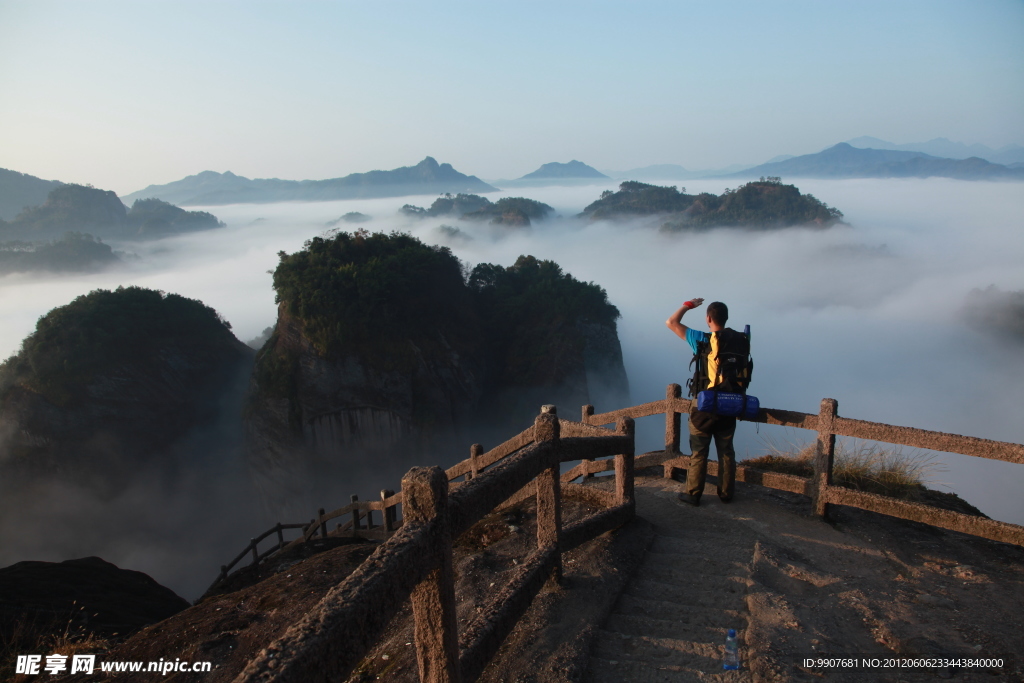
[
  {"x": 375, "y": 294},
  {"x": 530, "y": 313},
  {"x": 74, "y": 252},
  {"x": 350, "y": 217},
  {"x": 157, "y": 218},
  {"x": 71, "y": 207},
  {"x": 766, "y": 203},
  {"x": 104, "y": 330},
  {"x": 638, "y": 199},
  {"x": 83, "y": 208},
  {"x": 885, "y": 470},
  {"x": 505, "y": 211},
  {"x": 392, "y": 301}
]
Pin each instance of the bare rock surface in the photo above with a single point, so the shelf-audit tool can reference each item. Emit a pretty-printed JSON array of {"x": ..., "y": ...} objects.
[
  {"x": 653, "y": 600},
  {"x": 794, "y": 587},
  {"x": 87, "y": 594}
]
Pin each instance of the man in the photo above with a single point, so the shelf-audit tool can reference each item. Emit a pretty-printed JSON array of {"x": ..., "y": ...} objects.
[{"x": 722, "y": 429}]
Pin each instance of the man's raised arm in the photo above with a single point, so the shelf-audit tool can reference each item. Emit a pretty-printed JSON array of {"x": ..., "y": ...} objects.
[{"x": 675, "y": 323}]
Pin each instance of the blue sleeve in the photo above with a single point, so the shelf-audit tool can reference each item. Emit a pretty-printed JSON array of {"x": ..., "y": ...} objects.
[{"x": 694, "y": 337}]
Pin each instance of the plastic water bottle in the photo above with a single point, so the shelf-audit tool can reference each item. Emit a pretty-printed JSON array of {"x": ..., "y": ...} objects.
[{"x": 732, "y": 651}]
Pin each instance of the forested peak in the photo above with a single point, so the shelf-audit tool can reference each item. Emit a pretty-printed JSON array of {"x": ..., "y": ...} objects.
[
  {"x": 534, "y": 287},
  {"x": 102, "y": 329},
  {"x": 351, "y": 290}
]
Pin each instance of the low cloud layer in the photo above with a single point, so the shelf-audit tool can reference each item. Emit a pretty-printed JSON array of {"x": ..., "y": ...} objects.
[{"x": 870, "y": 314}]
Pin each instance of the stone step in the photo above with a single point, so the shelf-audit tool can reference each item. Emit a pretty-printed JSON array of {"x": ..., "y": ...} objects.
[
  {"x": 680, "y": 576},
  {"x": 727, "y": 598},
  {"x": 701, "y": 561},
  {"x": 703, "y": 657},
  {"x": 632, "y": 605},
  {"x": 710, "y": 546},
  {"x": 701, "y": 630},
  {"x": 602, "y": 670}
]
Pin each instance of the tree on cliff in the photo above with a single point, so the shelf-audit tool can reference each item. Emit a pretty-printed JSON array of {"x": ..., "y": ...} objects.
[
  {"x": 367, "y": 293},
  {"x": 391, "y": 303},
  {"x": 104, "y": 331},
  {"x": 765, "y": 203},
  {"x": 531, "y": 313}
]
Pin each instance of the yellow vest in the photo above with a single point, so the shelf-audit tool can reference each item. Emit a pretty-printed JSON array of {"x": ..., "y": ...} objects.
[{"x": 713, "y": 361}]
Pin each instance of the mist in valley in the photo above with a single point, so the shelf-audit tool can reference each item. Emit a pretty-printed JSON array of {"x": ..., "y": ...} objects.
[{"x": 871, "y": 313}]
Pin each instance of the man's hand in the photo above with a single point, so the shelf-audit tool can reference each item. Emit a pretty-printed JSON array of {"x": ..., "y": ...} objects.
[{"x": 675, "y": 322}]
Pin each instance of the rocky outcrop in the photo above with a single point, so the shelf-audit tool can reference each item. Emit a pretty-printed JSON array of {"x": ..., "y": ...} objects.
[
  {"x": 342, "y": 415},
  {"x": 88, "y": 596},
  {"x": 607, "y": 384},
  {"x": 76, "y": 208},
  {"x": 384, "y": 354},
  {"x": 110, "y": 385},
  {"x": 329, "y": 414}
]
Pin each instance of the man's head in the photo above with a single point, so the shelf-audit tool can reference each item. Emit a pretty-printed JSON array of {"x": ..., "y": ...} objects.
[{"x": 718, "y": 314}]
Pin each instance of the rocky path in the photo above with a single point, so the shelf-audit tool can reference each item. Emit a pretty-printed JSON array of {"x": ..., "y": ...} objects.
[
  {"x": 795, "y": 587},
  {"x": 670, "y": 623}
]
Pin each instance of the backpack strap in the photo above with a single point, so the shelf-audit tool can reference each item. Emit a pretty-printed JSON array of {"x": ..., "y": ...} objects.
[{"x": 699, "y": 382}]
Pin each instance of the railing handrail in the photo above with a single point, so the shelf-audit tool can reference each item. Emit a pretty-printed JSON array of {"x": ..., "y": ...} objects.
[
  {"x": 672, "y": 406},
  {"x": 416, "y": 563}
]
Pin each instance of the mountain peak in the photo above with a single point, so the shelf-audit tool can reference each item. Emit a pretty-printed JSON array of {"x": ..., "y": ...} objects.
[{"x": 573, "y": 169}]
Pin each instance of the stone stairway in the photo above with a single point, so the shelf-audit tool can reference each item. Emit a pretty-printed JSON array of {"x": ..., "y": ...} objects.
[{"x": 670, "y": 623}]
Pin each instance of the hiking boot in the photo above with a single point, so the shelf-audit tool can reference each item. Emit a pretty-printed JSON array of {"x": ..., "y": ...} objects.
[
  {"x": 689, "y": 500},
  {"x": 725, "y": 499}
]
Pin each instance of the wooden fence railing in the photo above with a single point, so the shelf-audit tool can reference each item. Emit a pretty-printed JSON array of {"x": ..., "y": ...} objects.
[
  {"x": 827, "y": 423},
  {"x": 416, "y": 561},
  {"x": 819, "y": 487},
  {"x": 361, "y": 524}
]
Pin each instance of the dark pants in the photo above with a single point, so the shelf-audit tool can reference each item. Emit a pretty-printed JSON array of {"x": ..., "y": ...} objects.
[{"x": 700, "y": 446}]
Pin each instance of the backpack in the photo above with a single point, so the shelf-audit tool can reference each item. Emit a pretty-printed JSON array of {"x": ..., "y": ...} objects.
[{"x": 735, "y": 366}]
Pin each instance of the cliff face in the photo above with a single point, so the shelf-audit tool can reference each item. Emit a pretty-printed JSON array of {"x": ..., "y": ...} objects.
[
  {"x": 108, "y": 385},
  {"x": 384, "y": 355},
  {"x": 321, "y": 416}
]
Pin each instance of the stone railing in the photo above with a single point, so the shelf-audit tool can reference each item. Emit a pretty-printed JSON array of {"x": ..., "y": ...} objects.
[
  {"x": 819, "y": 487},
  {"x": 361, "y": 524},
  {"x": 415, "y": 562},
  {"x": 827, "y": 423}
]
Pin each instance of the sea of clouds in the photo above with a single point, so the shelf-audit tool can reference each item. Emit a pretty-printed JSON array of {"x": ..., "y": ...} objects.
[{"x": 870, "y": 313}]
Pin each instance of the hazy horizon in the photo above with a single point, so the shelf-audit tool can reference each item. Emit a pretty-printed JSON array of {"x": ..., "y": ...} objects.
[
  {"x": 123, "y": 95},
  {"x": 868, "y": 313}
]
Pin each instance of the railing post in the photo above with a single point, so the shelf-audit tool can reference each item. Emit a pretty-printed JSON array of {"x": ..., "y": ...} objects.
[
  {"x": 624, "y": 463},
  {"x": 280, "y": 536},
  {"x": 323, "y": 522},
  {"x": 549, "y": 490},
  {"x": 824, "y": 456},
  {"x": 588, "y": 412},
  {"x": 356, "y": 524},
  {"x": 388, "y": 513},
  {"x": 425, "y": 500},
  {"x": 673, "y": 420},
  {"x": 475, "y": 451},
  {"x": 255, "y": 555}
]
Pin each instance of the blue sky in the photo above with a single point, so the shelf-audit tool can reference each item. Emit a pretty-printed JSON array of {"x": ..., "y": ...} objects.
[{"x": 124, "y": 94}]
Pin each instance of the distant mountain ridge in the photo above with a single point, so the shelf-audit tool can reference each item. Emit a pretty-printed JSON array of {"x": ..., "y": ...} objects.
[
  {"x": 845, "y": 161},
  {"x": 210, "y": 187},
  {"x": 19, "y": 191},
  {"x": 573, "y": 169},
  {"x": 943, "y": 147},
  {"x": 675, "y": 172}
]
